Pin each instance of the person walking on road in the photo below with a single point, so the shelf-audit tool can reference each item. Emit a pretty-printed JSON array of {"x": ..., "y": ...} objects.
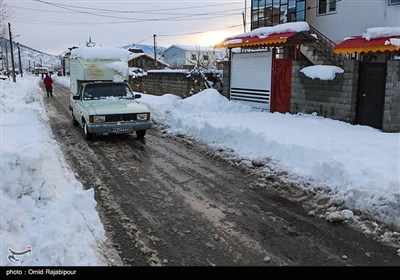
[{"x": 48, "y": 82}]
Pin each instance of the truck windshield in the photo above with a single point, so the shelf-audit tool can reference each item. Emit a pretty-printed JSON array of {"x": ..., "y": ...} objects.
[{"x": 106, "y": 90}]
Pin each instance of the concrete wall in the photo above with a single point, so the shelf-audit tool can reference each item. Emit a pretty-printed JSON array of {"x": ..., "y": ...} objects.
[
  {"x": 335, "y": 99},
  {"x": 391, "y": 113},
  {"x": 180, "y": 83}
]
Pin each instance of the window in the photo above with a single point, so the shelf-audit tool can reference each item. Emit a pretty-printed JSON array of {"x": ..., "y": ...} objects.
[
  {"x": 273, "y": 12},
  {"x": 326, "y": 6},
  {"x": 332, "y": 6},
  {"x": 205, "y": 57},
  {"x": 322, "y": 7},
  {"x": 194, "y": 57},
  {"x": 394, "y": 2}
]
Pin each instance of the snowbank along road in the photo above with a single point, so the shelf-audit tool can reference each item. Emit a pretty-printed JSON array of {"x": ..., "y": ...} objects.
[{"x": 168, "y": 201}]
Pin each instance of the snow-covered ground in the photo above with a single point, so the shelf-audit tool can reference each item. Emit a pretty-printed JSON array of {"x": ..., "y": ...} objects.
[
  {"x": 357, "y": 166},
  {"x": 44, "y": 209}
]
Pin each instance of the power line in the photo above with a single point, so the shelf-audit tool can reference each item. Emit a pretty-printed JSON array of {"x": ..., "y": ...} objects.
[
  {"x": 132, "y": 12},
  {"x": 198, "y": 32},
  {"x": 176, "y": 18},
  {"x": 188, "y": 18},
  {"x": 140, "y": 11},
  {"x": 150, "y": 37}
]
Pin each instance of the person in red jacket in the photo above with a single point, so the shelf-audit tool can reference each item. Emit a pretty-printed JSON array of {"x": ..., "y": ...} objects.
[{"x": 48, "y": 83}]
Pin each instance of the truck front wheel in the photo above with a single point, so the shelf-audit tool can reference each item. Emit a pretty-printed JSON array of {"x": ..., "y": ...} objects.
[
  {"x": 86, "y": 133},
  {"x": 74, "y": 121}
]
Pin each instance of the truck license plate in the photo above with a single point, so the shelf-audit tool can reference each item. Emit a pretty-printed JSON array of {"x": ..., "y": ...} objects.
[{"x": 122, "y": 129}]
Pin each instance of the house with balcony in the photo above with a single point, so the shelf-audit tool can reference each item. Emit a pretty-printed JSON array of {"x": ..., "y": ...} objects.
[
  {"x": 281, "y": 50},
  {"x": 331, "y": 20}
]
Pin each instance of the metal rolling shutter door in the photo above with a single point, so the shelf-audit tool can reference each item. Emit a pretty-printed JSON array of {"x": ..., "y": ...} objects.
[{"x": 251, "y": 79}]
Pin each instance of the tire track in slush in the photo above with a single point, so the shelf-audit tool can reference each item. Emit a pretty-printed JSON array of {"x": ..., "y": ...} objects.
[{"x": 164, "y": 202}]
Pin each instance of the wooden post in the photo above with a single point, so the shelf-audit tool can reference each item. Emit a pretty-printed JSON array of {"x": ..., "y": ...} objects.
[{"x": 12, "y": 53}]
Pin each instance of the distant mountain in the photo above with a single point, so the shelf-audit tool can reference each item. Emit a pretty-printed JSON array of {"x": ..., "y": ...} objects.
[
  {"x": 149, "y": 49},
  {"x": 29, "y": 56}
]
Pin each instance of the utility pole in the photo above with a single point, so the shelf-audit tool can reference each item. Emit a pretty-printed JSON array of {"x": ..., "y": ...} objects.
[
  {"x": 2, "y": 59},
  {"x": 245, "y": 15},
  {"x": 12, "y": 53},
  {"x": 6, "y": 59},
  {"x": 155, "y": 50},
  {"x": 244, "y": 22},
  {"x": 19, "y": 58}
]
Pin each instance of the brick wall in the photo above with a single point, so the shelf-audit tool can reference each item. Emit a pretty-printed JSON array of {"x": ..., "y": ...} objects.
[
  {"x": 391, "y": 113},
  {"x": 335, "y": 99},
  {"x": 180, "y": 83}
]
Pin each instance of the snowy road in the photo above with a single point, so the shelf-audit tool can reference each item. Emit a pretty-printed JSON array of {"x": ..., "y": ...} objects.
[{"x": 168, "y": 201}]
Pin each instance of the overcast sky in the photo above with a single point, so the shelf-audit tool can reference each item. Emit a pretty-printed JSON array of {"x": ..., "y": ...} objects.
[{"x": 54, "y": 25}]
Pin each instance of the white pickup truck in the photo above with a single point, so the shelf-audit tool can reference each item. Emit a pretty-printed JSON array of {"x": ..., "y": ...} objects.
[{"x": 101, "y": 100}]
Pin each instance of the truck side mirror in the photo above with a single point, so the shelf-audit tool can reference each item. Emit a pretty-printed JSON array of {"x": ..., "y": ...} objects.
[
  {"x": 76, "y": 97},
  {"x": 137, "y": 96}
]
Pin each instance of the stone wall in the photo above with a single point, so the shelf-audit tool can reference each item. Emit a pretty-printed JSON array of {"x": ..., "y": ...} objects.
[
  {"x": 181, "y": 83},
  {"x": 391, "y": 113},
  {"x": 335, "y": 99},
  {"x": 226, "y": 65}
]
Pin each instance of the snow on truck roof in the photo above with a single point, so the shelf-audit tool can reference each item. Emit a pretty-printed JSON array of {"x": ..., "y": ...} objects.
[{"x": 99, "y": 53}]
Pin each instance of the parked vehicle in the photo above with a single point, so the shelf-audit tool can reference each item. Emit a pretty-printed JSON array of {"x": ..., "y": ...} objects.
[{"x": 101, "y": 100}]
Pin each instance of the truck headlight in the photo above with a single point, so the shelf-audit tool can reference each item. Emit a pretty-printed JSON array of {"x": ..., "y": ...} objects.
[
  {"x": 143, "y": 116},
  {"x": 99, "y": 118}
]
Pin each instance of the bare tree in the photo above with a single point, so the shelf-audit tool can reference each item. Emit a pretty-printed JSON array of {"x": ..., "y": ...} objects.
[
  {"x": 204, "y": 58},
  {"x": 204, "y": 62},
  {"x": 3, "y": 33}
]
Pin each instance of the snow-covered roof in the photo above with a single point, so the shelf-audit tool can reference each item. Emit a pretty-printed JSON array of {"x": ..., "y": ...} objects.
[
  {"x": 137, "y": 55},
  {"x": 375, "y": 39},
  {"x": 93, "y": 53},
  {"x": 268, "y": 36},
  {"x": 264, "y": 32}
]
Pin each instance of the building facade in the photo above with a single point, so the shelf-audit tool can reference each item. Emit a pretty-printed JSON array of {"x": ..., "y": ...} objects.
[
  {"x": 347, "y": 18},
  {"x": 336, "y": 19}
]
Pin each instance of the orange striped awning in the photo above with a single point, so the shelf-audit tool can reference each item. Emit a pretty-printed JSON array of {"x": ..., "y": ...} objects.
[
  {"x": 361, "y": 45},
  {"x": 272, "y": 40}
]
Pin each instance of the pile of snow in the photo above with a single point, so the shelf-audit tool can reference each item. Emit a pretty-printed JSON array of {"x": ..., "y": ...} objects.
[
  {"x": 63, "y": 80},
  {"x": 98, "y": 53},
  {"x": 393, "y": 42},
  {"x": 121, "y": 69},
  {"x": 381, "y": 32},
  {"x": 322, "y": 72},
  {"x": 43, "y": 206},
  {"x": 358, "y": 165}
]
